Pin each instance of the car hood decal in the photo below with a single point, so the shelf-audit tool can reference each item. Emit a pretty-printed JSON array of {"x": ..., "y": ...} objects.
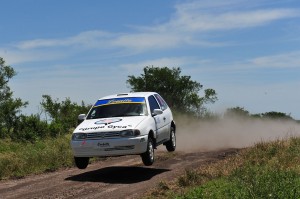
[{"x": 109, "y": 124}]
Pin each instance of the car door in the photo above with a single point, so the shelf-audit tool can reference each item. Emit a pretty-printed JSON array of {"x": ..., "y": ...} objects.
[
  {"x": 166, "y": 116},
  {"x": 159, "y": 121}
]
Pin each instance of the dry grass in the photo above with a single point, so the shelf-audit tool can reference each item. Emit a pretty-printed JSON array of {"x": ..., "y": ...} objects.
[{"x": 21, "y": 159}]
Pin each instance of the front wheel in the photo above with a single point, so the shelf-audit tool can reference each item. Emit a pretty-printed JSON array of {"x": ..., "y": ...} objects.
[
  {"x": 148, "y": 156},
  {"x": 171, "y": 144},
  {"x": 81, "y": 162}
]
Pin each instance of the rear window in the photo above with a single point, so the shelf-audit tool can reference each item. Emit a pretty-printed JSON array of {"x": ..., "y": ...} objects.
[{"x": 161, "y": 102}]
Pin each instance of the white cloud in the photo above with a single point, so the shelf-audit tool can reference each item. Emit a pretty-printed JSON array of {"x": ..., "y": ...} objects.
[
  {"x": 190, "y": 25},
  {"x": 16, "y": 56},
  {"x": 199, "y": 16},
  {"x": 148, "y": 40},
  {"x": 90, "y": 39},
  {"x": 184, "y": 27},
  {"x": 285, "y": 60},
  {"x": 203, "y": 16}
]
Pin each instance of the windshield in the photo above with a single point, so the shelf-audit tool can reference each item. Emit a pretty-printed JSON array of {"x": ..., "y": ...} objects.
[{"x": 118, "y": 107}]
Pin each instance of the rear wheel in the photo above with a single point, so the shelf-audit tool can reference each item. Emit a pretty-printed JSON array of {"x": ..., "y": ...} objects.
[
  {"x": 81, "y": 162},
  {"x": 148, "y": 156},
  {"x": 171, "y": 144}
]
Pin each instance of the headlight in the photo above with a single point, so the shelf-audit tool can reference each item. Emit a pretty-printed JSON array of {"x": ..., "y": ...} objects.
[
  {"x": 130, "y": 133},
  {"x": 79, "y": 136}
]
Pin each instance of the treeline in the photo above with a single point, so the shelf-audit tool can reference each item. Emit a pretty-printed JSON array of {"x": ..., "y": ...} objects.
[
  {"x": 59, "y": 116},
  {"x": 240, "y": 112},
  {"x": 56, "y": 119}
]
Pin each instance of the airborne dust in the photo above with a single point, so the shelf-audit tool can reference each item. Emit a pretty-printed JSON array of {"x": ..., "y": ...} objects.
[{"x": 197, "y": 135}]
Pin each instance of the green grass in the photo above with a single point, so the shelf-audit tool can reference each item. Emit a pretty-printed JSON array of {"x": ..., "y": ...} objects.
[
  {"x": 21, "y": 159},
  {"x": 250, "y": 182},
  {"x": 266, "y": 170}
]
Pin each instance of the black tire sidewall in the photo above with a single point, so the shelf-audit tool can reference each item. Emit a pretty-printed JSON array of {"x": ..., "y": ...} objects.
[
  {"x": 146, "y": 157},
  {"x": 170, "y": 145},
  {"x": 81, "y": 162}
]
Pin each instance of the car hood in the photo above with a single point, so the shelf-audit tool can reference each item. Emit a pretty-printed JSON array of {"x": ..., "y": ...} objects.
[{"x": 109, "y": 124}]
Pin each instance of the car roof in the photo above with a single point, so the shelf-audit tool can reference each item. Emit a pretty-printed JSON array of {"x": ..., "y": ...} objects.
[{"x": 134, "y": 94}]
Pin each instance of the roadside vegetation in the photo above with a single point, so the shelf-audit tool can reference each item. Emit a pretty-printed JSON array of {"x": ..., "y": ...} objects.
[
  {"x": 266, "y": 170},
  {"x": 18, "y": 159}
]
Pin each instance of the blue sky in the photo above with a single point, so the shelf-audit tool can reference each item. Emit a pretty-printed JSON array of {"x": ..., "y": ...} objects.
[{"x": 248, "y": 51}]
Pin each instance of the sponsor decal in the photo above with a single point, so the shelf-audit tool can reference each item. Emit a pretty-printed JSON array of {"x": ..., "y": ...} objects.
[
  {"x": 108, "y": 121},
  {"x": 120, "y": 101},
  {"x": 102, "y": 127},
  {"x": 106, "y": 144},
  {"x": 117, "y": 101}
]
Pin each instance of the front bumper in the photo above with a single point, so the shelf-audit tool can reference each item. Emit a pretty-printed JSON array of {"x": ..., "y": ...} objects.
[{"x": 109, "y": 147}]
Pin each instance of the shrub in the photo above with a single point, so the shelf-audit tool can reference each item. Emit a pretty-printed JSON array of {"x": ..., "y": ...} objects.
[
  {"x": 30, "y": 128},
  {"x": 191, "y": 177}
]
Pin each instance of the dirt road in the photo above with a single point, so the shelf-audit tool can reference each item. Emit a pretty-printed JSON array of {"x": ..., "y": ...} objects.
[{"x": 119, "y": 177}]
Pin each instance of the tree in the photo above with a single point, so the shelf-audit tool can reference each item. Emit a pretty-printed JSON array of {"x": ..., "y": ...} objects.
[
  {"x": 237, "y": 112},
  {"x": 276, "y": 115},
  {"x": 63, "y": 114},
  {"x": 180, "y": 92},
  {"x": 10, "y": 107}
]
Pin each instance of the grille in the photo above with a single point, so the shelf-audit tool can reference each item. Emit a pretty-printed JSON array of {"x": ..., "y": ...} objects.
[
  {"x": 103, "y": 135},
  {"x": 120, "y": 148}
]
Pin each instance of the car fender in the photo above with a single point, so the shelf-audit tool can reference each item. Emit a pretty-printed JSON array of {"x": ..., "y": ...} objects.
[{"x": 147, "y": 125}]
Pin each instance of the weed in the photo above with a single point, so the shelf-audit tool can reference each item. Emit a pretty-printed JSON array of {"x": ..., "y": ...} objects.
[
  {"x": 163, "y": 185},
  {"x": 191, "y": 177}
]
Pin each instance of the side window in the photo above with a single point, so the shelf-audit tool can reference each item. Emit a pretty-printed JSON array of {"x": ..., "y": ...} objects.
[
  {"x": 153, "y": 103},
  {"x": 161, "y": 102}
]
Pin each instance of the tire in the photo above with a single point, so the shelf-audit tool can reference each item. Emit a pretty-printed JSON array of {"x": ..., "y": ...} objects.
[
  {"x": 171, "y": 144},
  {"x": 148, "y": 156},
  {"x": 81, "y": 162}
]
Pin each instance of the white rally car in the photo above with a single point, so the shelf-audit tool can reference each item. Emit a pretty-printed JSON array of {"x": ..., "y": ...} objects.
[{"x": 124, "y": 124}]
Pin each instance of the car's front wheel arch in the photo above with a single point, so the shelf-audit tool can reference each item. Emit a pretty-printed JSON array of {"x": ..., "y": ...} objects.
[{"x": 153, "y": 137}]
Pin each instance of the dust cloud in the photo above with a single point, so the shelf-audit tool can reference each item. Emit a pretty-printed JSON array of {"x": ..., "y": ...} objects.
[{"x": 197, "y": 135}]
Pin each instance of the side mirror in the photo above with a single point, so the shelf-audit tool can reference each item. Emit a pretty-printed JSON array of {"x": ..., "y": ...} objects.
[
  {"x": 80, "y": 119},
  {"x": 157, "y": 112}
]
